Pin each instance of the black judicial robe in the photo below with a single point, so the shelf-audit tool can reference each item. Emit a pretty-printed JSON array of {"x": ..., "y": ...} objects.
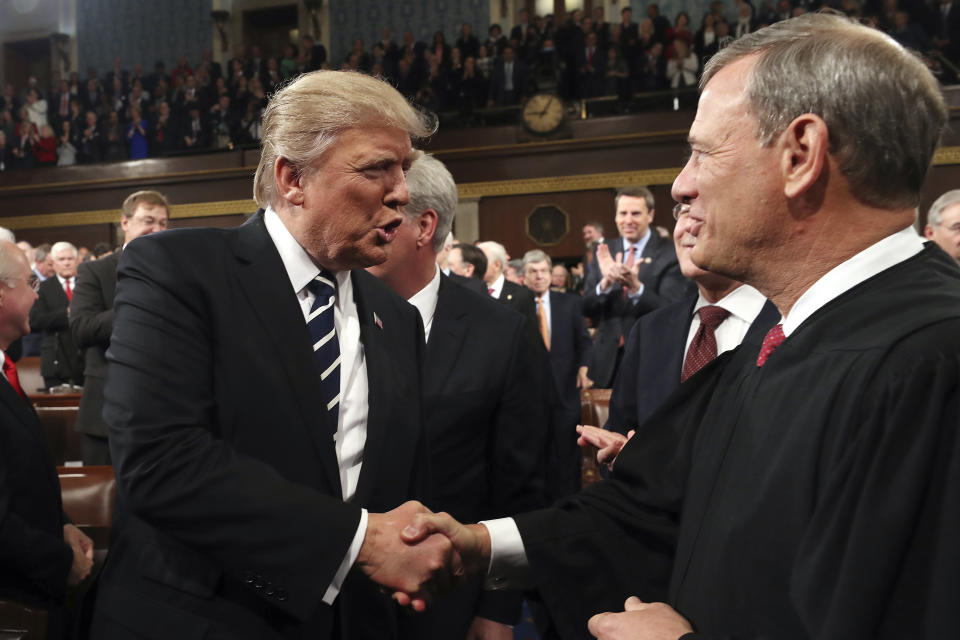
[{"x": 816, "y": 497}]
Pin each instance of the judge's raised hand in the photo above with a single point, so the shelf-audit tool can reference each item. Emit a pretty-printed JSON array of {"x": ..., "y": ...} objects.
[
  {"x": 640, "y": 621},
  {"x": 413, "y": 571},
  {"x": 608, "y": 443}
]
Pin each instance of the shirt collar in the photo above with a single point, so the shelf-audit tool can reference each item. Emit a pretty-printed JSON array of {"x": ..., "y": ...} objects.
[
  {"x": 640, "y": 244},
  {"x": 300, "y": 267},
  {"x": 425, "y": 301},
  {"x": 497, "y": 286},
  {"x": 744, "y": 303},
  {"x": 878, "y": 257}
]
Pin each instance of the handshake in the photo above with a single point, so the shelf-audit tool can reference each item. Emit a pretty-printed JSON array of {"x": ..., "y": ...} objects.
[{"x": 414, "y": 554}]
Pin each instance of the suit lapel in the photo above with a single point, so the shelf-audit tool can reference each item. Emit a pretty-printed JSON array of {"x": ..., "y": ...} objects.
[
  {"x": 446, "y": 336},
  {"x": 263, "y": 279},
  {"x": 380, "y": 374},
  {"x": 27, "y": 416}
]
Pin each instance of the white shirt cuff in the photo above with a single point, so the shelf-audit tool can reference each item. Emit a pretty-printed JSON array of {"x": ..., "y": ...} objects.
[
  {"x": 509, "y": 568},
  {"x": 603, "y": 292},
  {"x": 636, "y": 296},
  {"x": 334, "y": 589}
]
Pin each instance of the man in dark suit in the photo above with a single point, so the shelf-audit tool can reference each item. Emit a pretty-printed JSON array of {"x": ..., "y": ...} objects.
[
  {"x": 563, "y": 331},
  {"x": 486, "y": 435},
  {"x": 629, "y": 276},
  {"x": 91, "y": 317},
  {"x": 669, "y": 345},
  {"x": 60, "y": 359},
  {"x": 508, "y": 80},
  {"x": 40, "y": 551},
  {"x": 515, "y": 296},
  {"x": 263, "y": 396}
]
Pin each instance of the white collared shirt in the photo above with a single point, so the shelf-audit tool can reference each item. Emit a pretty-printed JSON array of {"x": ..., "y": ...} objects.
[
  {"x": 744, "y": 304},
  {"x": 497, "y": 287},
  {"x": 508, "y": 558},
  {"x": 63, "y": 283},
  {"x": 352, "y": 416},
  {"x": 425, "y": 301}
]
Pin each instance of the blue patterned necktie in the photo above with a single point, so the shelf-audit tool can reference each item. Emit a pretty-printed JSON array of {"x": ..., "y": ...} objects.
[{"x": 326, "y": 347}]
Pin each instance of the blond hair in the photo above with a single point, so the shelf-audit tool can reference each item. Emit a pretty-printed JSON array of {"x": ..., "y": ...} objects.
[{"x": 304, "y": 119}]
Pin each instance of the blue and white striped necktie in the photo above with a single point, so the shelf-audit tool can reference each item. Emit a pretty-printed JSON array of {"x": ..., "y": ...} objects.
[{"x": 326, "y": 347}]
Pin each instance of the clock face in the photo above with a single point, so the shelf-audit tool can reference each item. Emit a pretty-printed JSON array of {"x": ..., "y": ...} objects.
[{"x": 543, "y": 113}]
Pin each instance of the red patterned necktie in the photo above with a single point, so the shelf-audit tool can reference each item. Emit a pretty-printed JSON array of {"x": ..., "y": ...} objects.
[
  {"x": 490, "y": 290},
  {"x": 703, "y": 348},
  {"x": 10, "y": 371},
  {"x": 68, "y": 290},
  {"x": 770, "y": 342}
]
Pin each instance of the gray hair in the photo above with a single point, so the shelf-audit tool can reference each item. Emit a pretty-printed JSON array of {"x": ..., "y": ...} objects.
[
  {"x": 62, "y": 246},
  {"x": 883, "y": 108},
  {"x": 635, "y": 192},
  {"x": 305, "y": 118},
  {"x": 949, "y": 198},
  {"x": 11, "y": 258},
  {"x": 495, "y": 251},
  {"x": 41, "y": 252},
  {"x": 536, "y": 255},
  {"x": 7, "y": 236},
  {"x": 432, "y": 187}
]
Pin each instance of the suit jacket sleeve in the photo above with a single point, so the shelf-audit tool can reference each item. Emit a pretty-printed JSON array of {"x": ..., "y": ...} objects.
[
  {"x": 584, "y": 344},
  {"x": 43, "y": 560},
  {"x": 91, "y": 319},
  {"x": 44, "y": 316},
  {"x": 174, "y": 469}
]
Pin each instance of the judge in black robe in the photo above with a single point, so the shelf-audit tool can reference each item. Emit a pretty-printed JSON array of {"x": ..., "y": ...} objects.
[{"x": 815, "y": 497}]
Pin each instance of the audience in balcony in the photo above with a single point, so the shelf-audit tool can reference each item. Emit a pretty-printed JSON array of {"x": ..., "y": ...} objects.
[{"x": 580, "y": 57}]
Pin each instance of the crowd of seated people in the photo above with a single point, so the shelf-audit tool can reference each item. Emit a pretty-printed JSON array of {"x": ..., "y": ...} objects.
[{"x": 124, "y": 114}]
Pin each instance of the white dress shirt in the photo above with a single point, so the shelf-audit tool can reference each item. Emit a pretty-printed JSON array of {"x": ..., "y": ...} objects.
[
  {"x": 508, "y": 559},
  {"x": 63, "y": 283},
  {"x": 352, "y": 417},
  {"x": 425, "y": 301},
  {"x": 744, "y": 304},
  {"x": 497, "y": 287}
]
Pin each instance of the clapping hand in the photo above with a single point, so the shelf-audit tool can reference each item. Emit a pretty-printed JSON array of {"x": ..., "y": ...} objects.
[{"x": 608, "y": 443}]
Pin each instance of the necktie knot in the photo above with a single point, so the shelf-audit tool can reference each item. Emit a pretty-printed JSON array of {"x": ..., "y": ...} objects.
[
  {"x": 771, "y": 341},
  {"x": 711, "y": 316}
]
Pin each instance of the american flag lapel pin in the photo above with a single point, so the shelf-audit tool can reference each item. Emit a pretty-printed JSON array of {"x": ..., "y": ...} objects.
[{"x": 376, "y": 320}]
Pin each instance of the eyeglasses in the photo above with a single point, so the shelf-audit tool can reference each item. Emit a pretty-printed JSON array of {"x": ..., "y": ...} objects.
[
  {"x": 680, "y": 209},
  {"x": 32, "y": 281}
]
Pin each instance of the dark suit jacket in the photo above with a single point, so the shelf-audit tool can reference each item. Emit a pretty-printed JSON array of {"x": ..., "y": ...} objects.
[
  {"x": 34, "y": 559},
  {"x": 498, "y": 82},
  {"x": 487, "y": 438},
  {"x": 60, "y": 357},
  {"x": 229, "y": 514},
  {"x": 570, "y": 347},
  {"x": 91, "y": 322},
  {"x": 653, "y": 361},
  {"x": 521, "y": 300},
  {"x": 613, "y": 316}
]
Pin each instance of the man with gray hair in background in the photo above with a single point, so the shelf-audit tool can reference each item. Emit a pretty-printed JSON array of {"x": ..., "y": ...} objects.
[
  {"x": 263, "y": 395},
  {"x": 60, "y": 361},
  {"x": 805, "y": 485},
  {"x": 487, "y": 433},
  {"x": 943, "y": 223}
]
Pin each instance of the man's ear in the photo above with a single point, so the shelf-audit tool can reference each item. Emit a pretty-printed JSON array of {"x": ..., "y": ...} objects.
[
  {"x": 928, "y": 232},
  {"x": 805, "y": 145},
  {"x": 469, "y": 268},
  {"x": 287, "y": 179},
  {"x": 426, "y": 227}
]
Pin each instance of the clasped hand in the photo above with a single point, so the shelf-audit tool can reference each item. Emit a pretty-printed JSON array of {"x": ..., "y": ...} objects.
[
  {"x": 414, "y": 554},
  {"x": 614, "y": 270}
]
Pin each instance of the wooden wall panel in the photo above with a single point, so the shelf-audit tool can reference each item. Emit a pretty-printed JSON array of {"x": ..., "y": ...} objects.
[{"x": 504, "y": 219}]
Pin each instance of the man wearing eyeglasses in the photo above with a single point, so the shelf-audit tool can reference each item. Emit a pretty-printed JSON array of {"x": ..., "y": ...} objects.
[
  {"x": 40, "y": 551},
  {"x": 91, "y": 317},
  {"x": 943, "y": 223}
]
